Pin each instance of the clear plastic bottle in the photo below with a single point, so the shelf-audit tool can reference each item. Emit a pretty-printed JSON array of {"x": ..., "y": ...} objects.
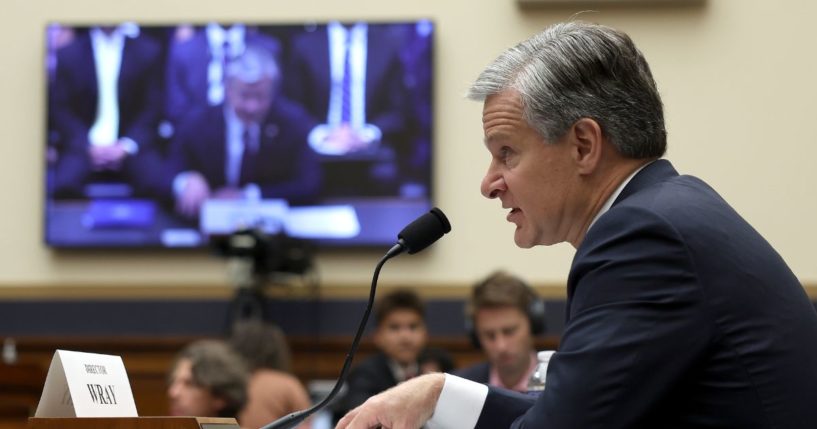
[
  {"x": 9, "y": 351},
  {"x": 536, "y": 382}
]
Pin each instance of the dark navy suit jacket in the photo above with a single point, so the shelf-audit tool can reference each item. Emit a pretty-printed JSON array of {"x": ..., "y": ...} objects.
[
  {"x": 308, "y": 80},
  {"x": 368, "y": 378},
  {"x": 679, "y": 315},
  {"x": 75, "y": 109},
  {"x": 285, "y": 166},
  {"x": 481, "y": 372}
]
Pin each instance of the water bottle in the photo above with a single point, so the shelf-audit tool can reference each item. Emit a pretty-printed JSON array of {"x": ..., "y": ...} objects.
[
  {"x": 536, "y": 382},
  {"x": 9, "y": 351}
]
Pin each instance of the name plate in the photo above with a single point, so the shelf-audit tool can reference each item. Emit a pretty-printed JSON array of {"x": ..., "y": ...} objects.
[{"x": 86, "y": 385}]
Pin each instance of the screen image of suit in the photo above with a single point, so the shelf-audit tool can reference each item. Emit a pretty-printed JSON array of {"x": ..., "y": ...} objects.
[
  {"x": 187, "y": 80},
  {"x": 74, "y": 106},
  {"x": 308, "y": 81},
  {"x": 283, "y": 167},
  {"x": 679, "y": 315}
]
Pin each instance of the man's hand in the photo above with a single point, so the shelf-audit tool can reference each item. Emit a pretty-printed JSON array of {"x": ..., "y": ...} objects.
[
  {"x": 195, "y": 192},
  {"x": 346, "y": 139},
  {"x": 108, "y": 157},
  {"x": 228, "y": 193},
  {"x": 406, "y": 406}
]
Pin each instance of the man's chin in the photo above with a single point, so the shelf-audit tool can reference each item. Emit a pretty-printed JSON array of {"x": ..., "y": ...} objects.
[{"x": 521, "y": 240}]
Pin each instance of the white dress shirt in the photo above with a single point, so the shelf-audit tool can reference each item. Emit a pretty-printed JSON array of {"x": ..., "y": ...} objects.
[
  {"x": 107, "y": 49},
  {"x": 353, "y": 40},
  {"x": 224, "y": 45}
]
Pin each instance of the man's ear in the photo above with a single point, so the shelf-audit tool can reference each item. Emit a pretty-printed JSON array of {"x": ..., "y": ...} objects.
[{"x": 587, "y": 143}]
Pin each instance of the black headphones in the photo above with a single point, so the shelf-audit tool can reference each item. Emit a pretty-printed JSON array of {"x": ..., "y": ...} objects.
[{"x": 535, "y": 313}]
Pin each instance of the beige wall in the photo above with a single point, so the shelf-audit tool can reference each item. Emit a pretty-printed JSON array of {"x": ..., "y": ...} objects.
[{"x": 737, "y": 77}]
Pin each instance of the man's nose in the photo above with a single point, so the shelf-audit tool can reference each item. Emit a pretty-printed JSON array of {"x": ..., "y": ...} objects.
[
  {"x": 173, "y": 391},
  {"x": 492, "y": 184},
  {"x": 501, "y": 343}
]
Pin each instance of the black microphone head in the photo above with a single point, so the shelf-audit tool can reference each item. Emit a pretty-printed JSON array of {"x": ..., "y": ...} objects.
[{"x": 424, "y": 230}]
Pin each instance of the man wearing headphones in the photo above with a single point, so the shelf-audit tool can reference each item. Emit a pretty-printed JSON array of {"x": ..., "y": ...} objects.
[{"x": 502, "y": 317}]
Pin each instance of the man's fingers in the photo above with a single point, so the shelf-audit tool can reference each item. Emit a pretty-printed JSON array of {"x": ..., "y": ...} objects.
[
  {"x": 344, "y": 422},
  {"x": 358, "y": 419}
]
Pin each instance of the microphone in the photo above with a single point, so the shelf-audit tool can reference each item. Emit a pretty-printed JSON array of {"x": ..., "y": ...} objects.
[
  {"x": 416, "y": 236},
  {"x": 425, "y": 230}
]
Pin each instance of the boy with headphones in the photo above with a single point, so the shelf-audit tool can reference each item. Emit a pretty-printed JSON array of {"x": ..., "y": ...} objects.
[{"x": 504, "y": 314}]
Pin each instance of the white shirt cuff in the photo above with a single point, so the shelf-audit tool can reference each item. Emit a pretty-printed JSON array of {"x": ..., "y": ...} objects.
[{"x": 460, "y": 404}]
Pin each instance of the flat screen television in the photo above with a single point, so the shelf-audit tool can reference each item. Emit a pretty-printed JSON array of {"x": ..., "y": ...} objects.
[{"x": 170, "y": 135}]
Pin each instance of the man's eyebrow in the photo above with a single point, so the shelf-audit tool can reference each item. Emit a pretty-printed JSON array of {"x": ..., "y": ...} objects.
[{"x": 494, "y": 137}]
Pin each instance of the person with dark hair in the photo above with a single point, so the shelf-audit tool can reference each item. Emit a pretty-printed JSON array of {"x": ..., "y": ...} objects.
[
  {"x": 499, "y": 312},
  {"x": 272, "y": 392},
  {"x": 400, "y": 335},
  {"x": 208, "y": 379},
  {"x": 679, "y": 313}
]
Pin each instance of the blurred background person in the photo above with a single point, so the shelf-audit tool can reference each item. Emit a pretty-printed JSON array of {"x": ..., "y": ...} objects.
[
  {"x": 106, "y": 103},
  {"x": 504, "y": 313},
  {"x": 208, "y": 379},
  {"x": 252, "y": 146},
  {"x": 196, "y": 68},
  {"x": 434, "y": 359},
  {"x": 272, "y": 391},
  {"x": 400, "y": 335}
]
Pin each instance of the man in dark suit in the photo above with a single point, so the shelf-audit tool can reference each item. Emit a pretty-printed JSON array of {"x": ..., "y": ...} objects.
[
  {"x": 105, "y": 108},
  {"x": 350, "y": 79},
  {"x": 679, "y": 314},
  {"x": 503, "y": 315},
  {"x": 195, "y": 68},
  {"x": 400, "y": 336},
  {"x": 251, "y": 146}
]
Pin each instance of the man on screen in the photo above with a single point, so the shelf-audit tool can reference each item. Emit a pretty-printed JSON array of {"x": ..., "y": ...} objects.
[
  {"x": 251, "y": 146},
  {"x": 196, "y": 64},
  {"x": 679, "y": 314},
  {"x": 105, "y": 108}
]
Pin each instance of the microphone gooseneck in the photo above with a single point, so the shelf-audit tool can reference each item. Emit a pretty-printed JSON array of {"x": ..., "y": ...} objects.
[{"x": 415, "y": 237}]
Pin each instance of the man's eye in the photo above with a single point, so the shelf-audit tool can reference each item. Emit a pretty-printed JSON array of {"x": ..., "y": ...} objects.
[{"x": 505, "y": 153}]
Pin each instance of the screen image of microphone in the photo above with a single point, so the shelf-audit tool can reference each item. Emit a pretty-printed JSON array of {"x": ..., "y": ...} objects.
[{"x": 416, "y": 236}]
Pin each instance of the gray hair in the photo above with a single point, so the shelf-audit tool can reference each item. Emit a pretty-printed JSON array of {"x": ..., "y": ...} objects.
[
  {"x": 219, "y": 369},
  {"x": 254, "y": 64},
  {"x": 580, "y": 70}
]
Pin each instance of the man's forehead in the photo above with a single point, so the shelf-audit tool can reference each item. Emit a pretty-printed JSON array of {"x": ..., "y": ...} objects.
[
  {"x": 402, "y": 315},
  {"x": 502, "y": 109},
  {"x": 497, "y": 310}
]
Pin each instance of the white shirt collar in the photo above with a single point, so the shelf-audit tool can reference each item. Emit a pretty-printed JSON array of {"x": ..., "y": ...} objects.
[
  {"x": 615, "y": 194},
  {"x": 217, "y": 36}
]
